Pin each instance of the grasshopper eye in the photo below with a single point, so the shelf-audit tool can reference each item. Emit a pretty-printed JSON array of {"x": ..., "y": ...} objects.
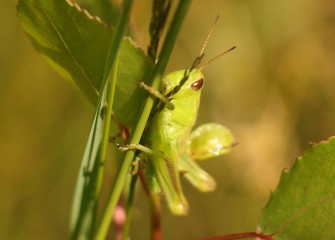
[{"x": 197, "y": 85}]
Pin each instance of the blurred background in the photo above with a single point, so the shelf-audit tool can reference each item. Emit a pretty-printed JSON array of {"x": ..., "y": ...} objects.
[{"x": 275, "y": 92}]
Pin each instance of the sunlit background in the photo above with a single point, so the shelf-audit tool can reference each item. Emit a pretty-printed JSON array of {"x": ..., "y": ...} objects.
[{"x": 275, "y": 92}]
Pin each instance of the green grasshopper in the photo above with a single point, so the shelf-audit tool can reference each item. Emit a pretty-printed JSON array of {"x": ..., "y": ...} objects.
[{"x": 169, "y": 147}]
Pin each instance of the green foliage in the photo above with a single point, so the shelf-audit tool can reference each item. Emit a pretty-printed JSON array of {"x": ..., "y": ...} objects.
[
  {"x": 76, "y": 44},
  {"x": 79, "y": 51},
  {"x": 302, "y": 206}
]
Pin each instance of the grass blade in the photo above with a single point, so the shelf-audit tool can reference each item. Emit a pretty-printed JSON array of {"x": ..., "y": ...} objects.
[{"x": 82, "y": 217}]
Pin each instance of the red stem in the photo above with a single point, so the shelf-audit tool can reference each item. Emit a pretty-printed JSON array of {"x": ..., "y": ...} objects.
[
  {"x": 156, "y": 228},
  {"x": 260, "y": 236},
  {"x": 156, "y": 218}
]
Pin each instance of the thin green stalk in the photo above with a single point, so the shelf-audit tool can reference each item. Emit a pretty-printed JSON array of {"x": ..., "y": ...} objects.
[
  {"x": 129, "y": 207},
  {"x": 84, "y": 202},
  {"x": 86, "y": 220},
  {"x": 121, "y": 27},
  {"x": 106, "y": 128},
  {"x": 111, "y": 73},
  {"x": 118, "y": 184},
  {"x": 110, "y": 99},
  {"x": 83, "y": 219}
]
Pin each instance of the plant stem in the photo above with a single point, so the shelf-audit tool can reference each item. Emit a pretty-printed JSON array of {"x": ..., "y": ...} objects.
[
  {"x": 116, "y": 40},
  {"x": 156, "y": 228},
  {"x": 129, "y": 207},
  {"x": 155, "y": 209},
  {"x": 110, "y": 74},
  {"x": 138, "y": 130},
  {"x": 160, "y": 12},
  {"x": 244, "y": 235},
  {"x": 109, "y": 78}
]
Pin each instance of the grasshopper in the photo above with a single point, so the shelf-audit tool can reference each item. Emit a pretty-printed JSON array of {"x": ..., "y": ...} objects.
[{"x": 168, "y": 145}]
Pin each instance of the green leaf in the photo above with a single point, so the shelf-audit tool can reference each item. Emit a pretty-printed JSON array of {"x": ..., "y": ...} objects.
[
  {"x": 85, "y": 197},
  {"x": 76, "y": 44},
  {"x": 303, "y": 205},
  {"x": 107, "y": 10}
]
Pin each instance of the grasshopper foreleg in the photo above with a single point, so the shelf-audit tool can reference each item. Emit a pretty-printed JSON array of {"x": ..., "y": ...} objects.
[
  {"x": 135, "y": 147},
  {"x": 157, "y": 94},
  {"x": 141, "y": 148}
]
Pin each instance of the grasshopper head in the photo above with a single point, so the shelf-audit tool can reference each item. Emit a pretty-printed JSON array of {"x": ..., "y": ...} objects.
[{"x": 184, "y": 83}]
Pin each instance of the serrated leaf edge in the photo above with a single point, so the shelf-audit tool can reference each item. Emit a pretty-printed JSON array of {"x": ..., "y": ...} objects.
[
  {"x": 87, "y": 14},
  {"x": 287, "y": 170}
]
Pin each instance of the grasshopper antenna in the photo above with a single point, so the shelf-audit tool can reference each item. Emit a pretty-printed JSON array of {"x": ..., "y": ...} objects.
[
  {"x": 199, "y": 58},
  {"x": 209, "y": 35},
  {"x": 216, "y": 57}
]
